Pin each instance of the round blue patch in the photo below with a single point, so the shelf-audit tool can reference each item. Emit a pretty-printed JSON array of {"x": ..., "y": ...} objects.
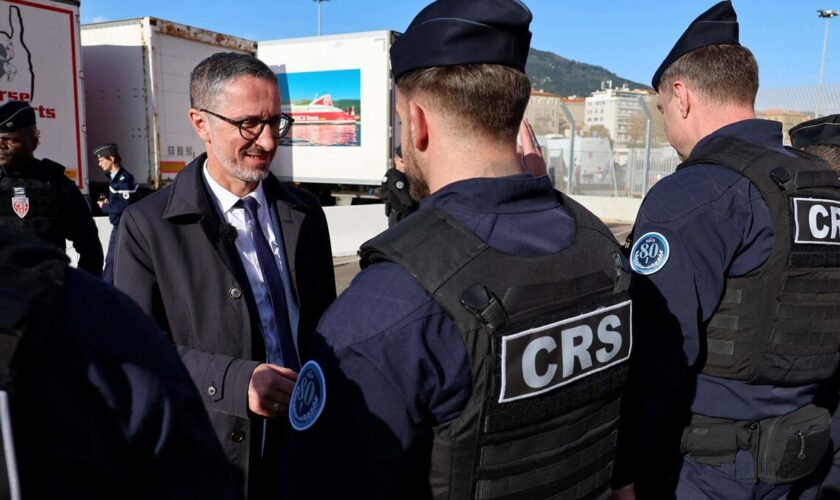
[
  {"x": 649, "y": 253},
  {"x": 308, "y": 397}
]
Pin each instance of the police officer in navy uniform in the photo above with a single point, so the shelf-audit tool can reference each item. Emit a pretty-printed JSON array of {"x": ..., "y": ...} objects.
[
  {"x": 122, "y": 191},
  {"x": 821, "y": 137},
  {"x": 736, "y": 260},
  {"x": 35, "y": 195},
  {"x": 395, "y": 191},
  {"x": 97, "y": 406},
  {"x": 481, "y": 352}
]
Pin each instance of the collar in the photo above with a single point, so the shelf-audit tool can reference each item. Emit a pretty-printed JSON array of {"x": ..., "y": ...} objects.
[
  {"x": 511, "y": 194},
  {"x": 762, "y": 132},
  {"x": 225, "y": 198},
  {"x": 114, "y": 174}
]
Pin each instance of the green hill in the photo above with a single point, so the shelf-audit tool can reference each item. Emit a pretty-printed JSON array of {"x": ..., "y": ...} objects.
[{"x": 556, "y": 74}]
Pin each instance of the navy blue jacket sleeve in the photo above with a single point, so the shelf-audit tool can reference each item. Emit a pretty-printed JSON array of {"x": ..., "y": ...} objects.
[
  {"x": 390, "y": 375},
  {"x": 115, "y": 410}
]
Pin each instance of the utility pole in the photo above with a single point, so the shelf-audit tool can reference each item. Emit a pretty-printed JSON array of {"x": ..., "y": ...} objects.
[
  {"x": 827, "y": 15},
  {"x": 319, "y": 14}
]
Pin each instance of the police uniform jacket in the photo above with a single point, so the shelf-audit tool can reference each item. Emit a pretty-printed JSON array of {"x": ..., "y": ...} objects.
[
  {"x": 173, "y": 259},
  {"x": 74, "y": 217},
  {"x": 123, "y": 190},
  {"x": 101, "y": 405},
  {"x": 717, "y": 225},
  {"x": 396, "y": 364}
]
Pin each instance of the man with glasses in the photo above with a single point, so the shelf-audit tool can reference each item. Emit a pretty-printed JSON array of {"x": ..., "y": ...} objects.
[{"x": 234, "y": 266}]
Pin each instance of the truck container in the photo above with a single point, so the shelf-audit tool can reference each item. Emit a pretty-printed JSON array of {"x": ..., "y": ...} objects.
[
  {"x": 40, "y": 63},
  {"x": 338, "y": 89},
  {"x": 137, "y": 74}
]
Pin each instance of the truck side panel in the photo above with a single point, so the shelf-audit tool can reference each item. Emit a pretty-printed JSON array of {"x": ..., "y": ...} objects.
[
  {"x": 116, "y": 95},
  {"x": 40, "y": 63},
  {"x": 175, "y": 58},
  {"x": 326, "y": 144}
]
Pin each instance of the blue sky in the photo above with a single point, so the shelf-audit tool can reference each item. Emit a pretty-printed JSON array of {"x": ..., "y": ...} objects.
[
  {"x": 628, "y": 37},
  {"x": 341, "y": 84}
]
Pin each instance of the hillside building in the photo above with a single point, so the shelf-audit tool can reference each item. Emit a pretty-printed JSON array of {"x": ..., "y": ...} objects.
[{"x": 615, "y": 109}]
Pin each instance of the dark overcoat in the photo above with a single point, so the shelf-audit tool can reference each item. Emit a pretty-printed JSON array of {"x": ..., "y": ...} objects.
[{"x": 175, "y": 258}]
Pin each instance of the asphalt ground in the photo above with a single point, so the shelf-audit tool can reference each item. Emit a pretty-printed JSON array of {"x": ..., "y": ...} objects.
[{"x": 346, "y": 268}]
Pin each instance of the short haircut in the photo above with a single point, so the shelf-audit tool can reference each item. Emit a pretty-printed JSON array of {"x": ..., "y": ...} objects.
[
  {"x": 827, "y": 152},
  {"x": 485, "y": 98},
  {"x": 117, "y": 158},
  {"x": 210, "y": 75},
  {"x": 722, "y": 74}
]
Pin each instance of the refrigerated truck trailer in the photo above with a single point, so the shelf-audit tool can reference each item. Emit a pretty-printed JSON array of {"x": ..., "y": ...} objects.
[
  {"x": 339, "y": 90},
  {"x": 40, "y": 63},
  {"x": 137, "y": 75}
]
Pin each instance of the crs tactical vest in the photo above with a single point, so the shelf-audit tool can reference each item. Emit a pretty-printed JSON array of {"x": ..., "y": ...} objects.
[
  {"x": 780, "y": 324},
  {"x": 547, "y": 339},
  {"x": 32, "y": 204}
]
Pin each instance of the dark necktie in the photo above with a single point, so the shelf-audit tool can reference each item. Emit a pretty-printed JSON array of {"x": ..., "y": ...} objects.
[{"x": 283, "y": 346}]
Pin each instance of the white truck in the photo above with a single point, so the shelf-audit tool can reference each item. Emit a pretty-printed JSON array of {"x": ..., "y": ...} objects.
[
  {"x": 40, "y": 63},
  {"x": 338, "y": 89},
  {"x": 137, "y": 75}
]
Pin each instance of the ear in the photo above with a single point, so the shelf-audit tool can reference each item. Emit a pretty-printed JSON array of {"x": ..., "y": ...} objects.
[
  {"x": 200, "y": 124},
  {"x": 419, "y": 123},
  {"x": 684, "y": 97}
]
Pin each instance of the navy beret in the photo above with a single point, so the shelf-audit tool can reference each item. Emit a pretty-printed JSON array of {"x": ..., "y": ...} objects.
[
  {"x": 716, "y": 26},
  {"x": 454, "y": 32},
  {"x": 15, "y": 115},
  {"x": 103, "y": 150},
  {"x": 825, "y": 130}
]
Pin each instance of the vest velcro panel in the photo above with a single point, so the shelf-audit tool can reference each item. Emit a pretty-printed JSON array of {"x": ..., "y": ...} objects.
[{"x": 780, "y": 323}]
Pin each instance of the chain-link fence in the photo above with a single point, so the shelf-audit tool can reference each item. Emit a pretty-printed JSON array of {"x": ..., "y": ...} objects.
[
  {"x": 624, "y": 153},
  {"x": 600, "y": 168}
]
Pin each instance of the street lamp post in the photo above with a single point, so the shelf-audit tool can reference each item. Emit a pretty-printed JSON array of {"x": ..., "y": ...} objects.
[
  {"x": 827, "y": 15},
  {"x": 319, "y": 14}
]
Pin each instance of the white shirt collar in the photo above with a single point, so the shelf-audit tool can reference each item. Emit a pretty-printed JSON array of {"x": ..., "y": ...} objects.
[{"x": 225, "y": 198}]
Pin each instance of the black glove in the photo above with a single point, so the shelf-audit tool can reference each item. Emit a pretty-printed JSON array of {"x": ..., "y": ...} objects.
[{"x": 398, "y": 202}]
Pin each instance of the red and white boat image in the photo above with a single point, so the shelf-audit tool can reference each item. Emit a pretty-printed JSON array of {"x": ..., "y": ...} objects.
[{"x": 321, "y": 111}]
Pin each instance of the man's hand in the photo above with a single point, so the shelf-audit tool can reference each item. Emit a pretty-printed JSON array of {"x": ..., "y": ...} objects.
[
  {"x": 270, "y": 389},
  {"x": 624, "y": 493},
  {"x": 529, "y": 150}
]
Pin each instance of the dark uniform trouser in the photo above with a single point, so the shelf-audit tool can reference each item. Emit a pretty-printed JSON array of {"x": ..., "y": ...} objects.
[
  {"x": 108, "y": 272},
  {"x": 733, "y": 481}
]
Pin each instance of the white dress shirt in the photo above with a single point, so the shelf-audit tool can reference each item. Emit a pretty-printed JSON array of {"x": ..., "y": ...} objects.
[{"x": 235, "y": 216}]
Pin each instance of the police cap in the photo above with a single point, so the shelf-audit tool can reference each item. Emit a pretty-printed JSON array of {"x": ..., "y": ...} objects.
[
  {"x": 103, "y": 150},
  {"x": 15, "y": 115},
  {"x": 454, "y": 32},
  {"x": 716, "y": 26},
  {"x": 825, "y": 130}
]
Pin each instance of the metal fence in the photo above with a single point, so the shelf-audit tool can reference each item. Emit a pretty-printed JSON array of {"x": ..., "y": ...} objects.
[
  {"x": 600, "y": 168},
  {"x": 603, "y": 167}
]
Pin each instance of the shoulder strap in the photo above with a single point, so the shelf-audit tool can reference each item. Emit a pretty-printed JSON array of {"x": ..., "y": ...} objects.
[{"x": 741, "y": 156}]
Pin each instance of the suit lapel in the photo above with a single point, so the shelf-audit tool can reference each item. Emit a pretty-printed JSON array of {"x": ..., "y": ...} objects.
[
  {"x": 290, "y": 220},
  {"x": 190, "y": 200}
]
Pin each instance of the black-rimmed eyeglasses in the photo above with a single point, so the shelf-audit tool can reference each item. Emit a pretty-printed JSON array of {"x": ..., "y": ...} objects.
[{"x": 251, "y": 128}]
